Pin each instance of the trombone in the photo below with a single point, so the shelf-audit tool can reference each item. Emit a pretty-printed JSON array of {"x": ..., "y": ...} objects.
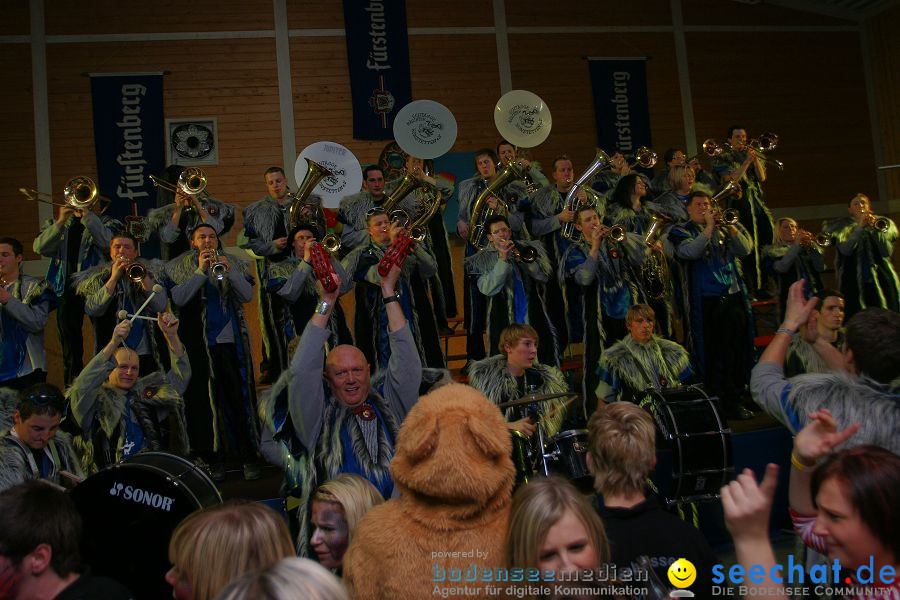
[
  {"x": 80, "y": 194},
  {"x": 192, "y": 181}
]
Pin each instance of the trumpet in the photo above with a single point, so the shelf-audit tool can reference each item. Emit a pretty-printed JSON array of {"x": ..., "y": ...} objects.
[
  {"x": 192, "y": 181},
  {"x": 645, "y": 157},
  {"x": 80, "y": 194},
  {"x": 617, "y": 234},
  {"x": 218, "y": 269},
  {"x": 822, "y": 239},
  {"x": 523, "y": 254},
  {"x": 136, "y": 272},
  {"x": 879, "y": 224}
]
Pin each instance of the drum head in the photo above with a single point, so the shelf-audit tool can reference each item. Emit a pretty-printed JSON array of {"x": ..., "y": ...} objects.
[
  {"x": 522, "y": 118},
  {"x": 425, "y": 128},
  {"x": 347, "y": 178},
  {"x": 130, "y": 511}
]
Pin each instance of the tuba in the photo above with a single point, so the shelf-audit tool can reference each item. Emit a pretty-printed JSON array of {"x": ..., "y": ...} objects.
[
  {"x": 407, "y": 184},
  {"x": 301, "y": 210},
  {"x": 481, "y": 211},
  {"x": 601, "y": 161},
  {"x": 655, "y": 270}
]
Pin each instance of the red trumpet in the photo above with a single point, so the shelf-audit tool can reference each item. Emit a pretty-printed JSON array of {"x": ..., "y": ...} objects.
[
  {"x": 320, "y": 257},
  {"x": 396, "y": 253}
]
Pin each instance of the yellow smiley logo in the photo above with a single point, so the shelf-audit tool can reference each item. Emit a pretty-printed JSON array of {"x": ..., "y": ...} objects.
[{"x": 682, "y": 573}]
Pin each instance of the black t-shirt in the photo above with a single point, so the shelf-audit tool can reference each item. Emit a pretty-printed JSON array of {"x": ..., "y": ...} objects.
[
  {"x": 648, "y": 530},
  {"x": 95, "y": 588}
]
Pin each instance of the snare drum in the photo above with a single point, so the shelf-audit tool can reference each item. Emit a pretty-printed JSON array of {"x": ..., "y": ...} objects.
[
  {"x": 130, "y": 511},
  {"x": 693, "y": 445},
  {"x": 569, "y": 451}
]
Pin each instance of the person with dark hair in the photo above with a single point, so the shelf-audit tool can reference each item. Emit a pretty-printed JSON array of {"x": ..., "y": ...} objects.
[
  {"x": 109, "y": 288},
  {"x": 740, "y": 163},
  {"x": 794, "y": 255},
  {"x": 607, "y": 178},
  {"x": 604, "y": 269},
  {"x": 75, "y": 241},
  {"x": 354, "y": 208},
  {"x": 178, "y": 213},
  {"x": 825, "y": 323},
  {"x": 221, "y": 398},
  {"x": 25, "y": 303},
  {"x": 505, "y": 200},
  {"x": 715, "y": 302},
  {"x": 31, "y": 445},
  {"x": 507, "y": 153},
  {"x": 294, "y": 280},
  {"x": 40, "y": 535},
  {"x": 641, "y": 361},
  {"x": 867, "y": 394},
  {"x": 371, "y": 324},
  {"x": 621, "y": 456},
  {"x": 864, "y": 245},
  {"x": 265, "y": 238},
  {"x": 514, "y": 286},
  {"x": 119, "y": 412}
]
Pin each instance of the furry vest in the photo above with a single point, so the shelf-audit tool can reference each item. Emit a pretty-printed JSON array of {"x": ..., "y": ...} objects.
[
  {"x": 656, "y": 364},
  {"x": 262, "y": 218}
]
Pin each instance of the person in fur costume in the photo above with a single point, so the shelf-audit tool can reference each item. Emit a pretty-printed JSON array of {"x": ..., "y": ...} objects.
[
  {"x": 107, "y": 289},
  {"x": 455, "y": 477},
  {"x": 221, "y": 400},
  {"x": 354, "y": 208},
  {"x": 348, "y": 423},
  {"x": 826, "y": 323},
  {"x": 794, "y": 255},
  {"x": 863, "y": 259},
  {"x": 294, "y": 280},
  {"x": 31, "y": 444},
  {"x": 515, "y": 288},
  {"x": 640, "y": 361},
  {"x": 118, "y": 412}
]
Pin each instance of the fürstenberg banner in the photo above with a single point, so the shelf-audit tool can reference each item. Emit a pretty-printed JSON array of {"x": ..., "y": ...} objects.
[
  {"x": 620, "y": 103},
  {"x": 378, "y": 61}
]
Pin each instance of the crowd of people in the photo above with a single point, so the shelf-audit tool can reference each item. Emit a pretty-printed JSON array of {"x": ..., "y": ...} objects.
[{"x": 652, "y": 281}]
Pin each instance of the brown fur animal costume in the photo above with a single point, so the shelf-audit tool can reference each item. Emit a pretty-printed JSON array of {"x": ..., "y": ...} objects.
[{"x": 453, "y": 469}]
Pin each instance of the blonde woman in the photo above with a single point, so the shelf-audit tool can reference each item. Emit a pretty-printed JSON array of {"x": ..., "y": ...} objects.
[
  {"x": 213, "y": 546},
  {"x": 337, "y": 507},
  {"x": 288, "y": 579}
]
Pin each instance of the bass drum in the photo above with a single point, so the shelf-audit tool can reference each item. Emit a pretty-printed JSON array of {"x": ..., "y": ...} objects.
[
  {"x": 130, "y": 511},
  {"x": 693, "y": 445}
]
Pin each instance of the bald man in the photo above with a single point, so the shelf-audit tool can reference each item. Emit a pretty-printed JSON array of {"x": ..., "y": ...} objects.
[{"x": 348, "y": 425}]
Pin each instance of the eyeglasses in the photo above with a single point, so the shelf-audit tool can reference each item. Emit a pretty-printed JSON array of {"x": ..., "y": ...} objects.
[
  {"x": 375, "y": 210},
  {"x": 47, "y": 397}
]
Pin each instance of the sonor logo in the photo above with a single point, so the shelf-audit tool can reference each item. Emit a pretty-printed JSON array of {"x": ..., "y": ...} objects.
[{"x": 133, "y": 494}]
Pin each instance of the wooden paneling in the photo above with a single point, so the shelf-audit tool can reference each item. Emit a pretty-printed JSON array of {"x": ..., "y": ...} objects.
[
  {"x": 555, "y": 67},
  {"x": 314, "y": 14},
  {"x": 814, "y": 100},
  {"x": 14, "y": 17},
  {"x": 110, "y": 16},
  {"x": 591, "y": 13},
  {"x": 884, "y": 59},
  {"x": 717, "y": 12}
]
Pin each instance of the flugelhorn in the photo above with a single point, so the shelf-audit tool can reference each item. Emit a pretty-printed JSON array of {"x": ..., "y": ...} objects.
[
  {"x": 80, "y": 194},
  {"x": 192, "y": 181},
  {"x": 218, "y": 269}
]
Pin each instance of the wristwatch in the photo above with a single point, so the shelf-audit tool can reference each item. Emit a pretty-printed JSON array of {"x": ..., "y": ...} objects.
[{"x": 389, "y": 299}]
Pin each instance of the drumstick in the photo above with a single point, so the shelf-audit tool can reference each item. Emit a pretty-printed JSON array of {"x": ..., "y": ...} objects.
[
  {"x": 554, "y": 408},
  {"x": 156, "y": 289},
  {"x": 124, "y": 315}
]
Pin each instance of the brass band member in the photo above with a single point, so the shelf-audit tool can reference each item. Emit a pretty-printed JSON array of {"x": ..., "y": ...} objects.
[
  {"x": 718, "y": 319},
  {"x": 673, "y": 202},
  {"x": 109, "y": 288},
  {"x": 794, "y": 255},
  {"x": 76, "y": 240},
  {"x": 641, "y": 361},
  {"x": 741, "y": 164},
  {"x": 25, "y": 304},
  {"x": 510, "y": 154},
  {"x": 512, "y": 275},
  {"x": 354, "y": 208},
  {"x": 294, "y": 280},
  {"x": 180, "y": 212},
  {"x": 604, "y": 268},
  {"x": 863, "y": 259},
  {"x": 505, "y": 200},
  {"x": 675, "y": 157}
]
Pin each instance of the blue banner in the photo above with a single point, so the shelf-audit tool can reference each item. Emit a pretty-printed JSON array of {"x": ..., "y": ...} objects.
[
  {"x": 620, "y": 103},
  {"x": 129, "y": 137},
  {"x": 378, "y": 61}
]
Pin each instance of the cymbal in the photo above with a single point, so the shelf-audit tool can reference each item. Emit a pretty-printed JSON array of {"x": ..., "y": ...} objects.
[{"x": 532, "y": 398}]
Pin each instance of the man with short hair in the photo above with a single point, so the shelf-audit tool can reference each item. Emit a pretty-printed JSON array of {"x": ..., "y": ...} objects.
[
  {"x": 32, "y": 447},
  {"x": 333, "y": 418},
  {"x": 641, "y": 361},
  {"x": 514, "y": 287},
  {"x": 25, "y": 303},
  {"x": 40, "y": 538},
  {"x": 75, "y": 241},
  {"x": 827, "y": 320},
  {"x": 621, "y": 456},
  {"x": 865, "y": 392},
  {"x": 108, "y": 288},
  {"x": 118, "y": 411},
  {"x": 209, "y": 289},
  {"x": 865, "y": 274},
  {"x": 532, "y": 169},
  {"x": 354, "y": 208}
]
